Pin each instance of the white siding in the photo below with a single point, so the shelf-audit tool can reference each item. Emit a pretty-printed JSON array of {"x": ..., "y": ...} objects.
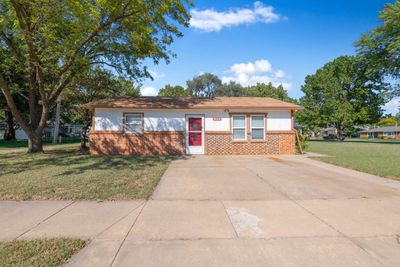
[
  {"x": 217, "y": 120},
  {"x": 279, "y": 121},
  {"x": 108, "y": 119},
  {"x": 174, "y": 120},
  {"x": 20, "y": 134},
  {"x": 160, "y": 120}
]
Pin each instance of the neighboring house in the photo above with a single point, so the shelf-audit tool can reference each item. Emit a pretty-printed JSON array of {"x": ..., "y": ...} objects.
[
  {"x": 73, "y": 129},
  {"x": 325, "y": 132},
  {"x": 392, "y": 132},
  {"x": 2, "y": 127},
  {"x": 212, "y": 126},
  {"x": 19, "y": 133}
]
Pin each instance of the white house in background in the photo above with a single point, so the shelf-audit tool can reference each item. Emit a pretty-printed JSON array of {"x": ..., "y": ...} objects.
[{"x": 212, "y": 126}]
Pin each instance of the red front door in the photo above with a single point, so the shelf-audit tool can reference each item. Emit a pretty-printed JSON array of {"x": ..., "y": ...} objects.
[{"x": 195, "y": 131}]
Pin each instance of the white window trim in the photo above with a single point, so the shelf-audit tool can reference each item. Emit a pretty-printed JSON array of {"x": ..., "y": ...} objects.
[
  {"x": 245, "y": 127},
  {"x": 141, "y": 120},
  {"x": 251, "y": 127}
]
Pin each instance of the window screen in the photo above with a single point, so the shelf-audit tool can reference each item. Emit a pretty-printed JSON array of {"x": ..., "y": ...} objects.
[
  {"x": 257, "y": 127},
  {"x": 133, "y": 123},
  {"x": 239, "y": 127}
]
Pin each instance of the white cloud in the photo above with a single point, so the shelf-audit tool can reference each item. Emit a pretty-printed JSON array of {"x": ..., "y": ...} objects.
[
  {"x": 259, "y": 71},
  {"x": 258, "y": 66},
  {"x": 148, "y": 91},
  {"x": 392, "y": 106},
  {"x": 279, "y": 74},
  {"x": 209, "y": 20}
]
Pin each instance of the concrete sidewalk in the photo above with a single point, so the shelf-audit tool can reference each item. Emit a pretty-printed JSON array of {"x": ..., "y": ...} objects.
[{"x": 230, "y": 211}]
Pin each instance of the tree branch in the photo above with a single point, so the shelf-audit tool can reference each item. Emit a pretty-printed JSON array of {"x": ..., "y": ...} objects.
[
  {"x": 11, "y": 104},
  {"x": 11, "y": 46},
  {"x": 91, "y": 36}
]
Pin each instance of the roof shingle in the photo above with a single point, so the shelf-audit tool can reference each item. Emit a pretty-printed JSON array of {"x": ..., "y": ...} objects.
[{"x": 152, "y": 102}]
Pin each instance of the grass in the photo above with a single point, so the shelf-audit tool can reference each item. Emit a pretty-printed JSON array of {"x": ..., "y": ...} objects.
[
  {"x": 372, "y": 140},
  {"x": 375, "y": 158},
  {"x": 63, "y": 172},
  {"x": 24, "y": 143},
  {"x": 39, "y": 252}
]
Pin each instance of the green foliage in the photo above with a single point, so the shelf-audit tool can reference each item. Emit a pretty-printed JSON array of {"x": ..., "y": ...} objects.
[
  {"x": 203, "y": 85},
  {"x": 303, "y": 143},
  {"x": 397, "y": 118},
  {"x": 380, "y": 46},
  {"x": 390, "y": 121},
  {"x": 230, "y": 89},
  {"x": 48, "y": 43},
  {"x": 341, "y": 93},
  {"x": 90, "y": 85},
  {"x": 173, "y": 91},
  {"x": 268, "y": 90}
]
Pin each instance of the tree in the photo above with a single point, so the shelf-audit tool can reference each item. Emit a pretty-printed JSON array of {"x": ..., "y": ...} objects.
[
  {"x": 341, "y": 94},
  {"x": 91, "y": 85},
  {"x": 51, "y": 42},
  {"x": 380, "y": 47},
  {"x": 268, "y": 90},
  {"x": 203, "y": 85},
  {"x": 173, "y": 91},
  {"x": 230, "y": 89},
  {"x": 6, "y": 114},
  {"x": 9, "y": 131},
  {"x": 389, "y": 121}
]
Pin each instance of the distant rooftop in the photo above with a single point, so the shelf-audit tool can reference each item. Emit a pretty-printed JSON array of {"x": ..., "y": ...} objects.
[{"x": 383, "y": 129}]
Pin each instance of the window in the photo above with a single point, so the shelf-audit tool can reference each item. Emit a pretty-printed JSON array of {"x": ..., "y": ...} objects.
[
  {"x": 257, "y": 127},
  {"x": 389, "y": 134},
  {"x": 134, "y": 123},
  {"x": 239, "y": 127}
]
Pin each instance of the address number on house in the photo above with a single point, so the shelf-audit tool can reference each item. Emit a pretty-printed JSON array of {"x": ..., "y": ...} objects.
[{"x": 217, "y": 119}]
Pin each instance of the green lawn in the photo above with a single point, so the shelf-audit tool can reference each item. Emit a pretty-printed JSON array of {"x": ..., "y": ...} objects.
[
  {"x": 38, "y": 252},
  {"x": 372, "y": 140},
  {"x": 65, "y": 173},
  {"x": 24, "y": 143},
  {"x": 376, "y": 158}
]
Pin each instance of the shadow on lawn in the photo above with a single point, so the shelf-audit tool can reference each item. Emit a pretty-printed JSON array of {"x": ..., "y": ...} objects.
[{"x": 73, "y": 162}]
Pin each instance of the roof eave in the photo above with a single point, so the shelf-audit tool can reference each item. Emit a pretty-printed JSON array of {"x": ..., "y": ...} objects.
[{"x": 88, "y": 106}]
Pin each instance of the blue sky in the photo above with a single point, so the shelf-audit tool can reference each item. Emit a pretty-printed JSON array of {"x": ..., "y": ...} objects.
[{"x": 280, "y": 41}]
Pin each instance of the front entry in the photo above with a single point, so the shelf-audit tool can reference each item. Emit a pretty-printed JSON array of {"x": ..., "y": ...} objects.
[{"x": 194, "y": 134}]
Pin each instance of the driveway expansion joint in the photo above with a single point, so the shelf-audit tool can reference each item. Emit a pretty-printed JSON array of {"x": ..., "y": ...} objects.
[
  {"x": 126, "y": 235},
  {"x": 229, "y": 218},
  {"x": 45, "y": 219},
  {"x": 318, "y": 218},
  {"x": 119, "y": 220}
]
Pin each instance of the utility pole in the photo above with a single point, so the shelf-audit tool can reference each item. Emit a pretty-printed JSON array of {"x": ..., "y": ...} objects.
[{"x": 57, "y": 122}]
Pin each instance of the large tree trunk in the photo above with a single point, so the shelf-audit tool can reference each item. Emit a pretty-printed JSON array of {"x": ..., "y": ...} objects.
[
  {"x": 339, "y": 127},
  {"x": 85, "y": 129},
  {"x": 35, "y": 143},
  {"x": 9, "y": 133}
]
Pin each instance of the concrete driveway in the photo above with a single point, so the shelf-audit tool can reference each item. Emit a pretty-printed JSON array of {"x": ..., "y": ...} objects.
[{"x": 232, "y": 211}]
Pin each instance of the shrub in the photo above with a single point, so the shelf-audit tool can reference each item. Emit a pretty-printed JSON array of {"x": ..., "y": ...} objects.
[{"x": 303, "y": 142}]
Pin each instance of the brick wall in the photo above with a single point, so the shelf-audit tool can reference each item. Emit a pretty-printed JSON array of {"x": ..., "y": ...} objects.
[
  {"x": 162, "y": 143},
  {"x": 287, "y": 143},
  {"x": 173, "y": 143},
  {"x": 274, "y": 143}
]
